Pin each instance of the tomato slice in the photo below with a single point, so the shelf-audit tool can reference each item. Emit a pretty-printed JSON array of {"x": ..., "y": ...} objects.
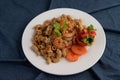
[
  {"x": 92, "y": 33},
  {"x": 81, "y": 43},
  {"x": 84, "y": 30},
  {"x": 83, "y": 33},
  {"x": 79, "y": 37}
]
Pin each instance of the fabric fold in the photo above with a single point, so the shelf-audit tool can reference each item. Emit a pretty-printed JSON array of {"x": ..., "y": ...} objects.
[{"x": 90, "y": 6}]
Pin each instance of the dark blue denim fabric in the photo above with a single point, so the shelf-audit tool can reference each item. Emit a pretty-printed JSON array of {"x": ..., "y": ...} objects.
[{"x": 16, "y": 14}]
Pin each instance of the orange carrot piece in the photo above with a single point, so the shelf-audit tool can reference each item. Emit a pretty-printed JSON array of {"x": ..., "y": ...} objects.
[
  {"x": 70, "y": 56},
  {"x": 78, "y": 50}
]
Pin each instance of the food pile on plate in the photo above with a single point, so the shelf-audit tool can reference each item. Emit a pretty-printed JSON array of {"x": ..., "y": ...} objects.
[{"x": 60, "y": 37}]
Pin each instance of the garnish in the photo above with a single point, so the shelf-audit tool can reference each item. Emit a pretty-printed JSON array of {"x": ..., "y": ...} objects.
[
  {"x": 90, "y": 27},
  {"x": 56, "y": 25},
  {"x": 64, "y": 26},
  {"x": 86, "y": 36},
  {"x": 57, "y": 28}
]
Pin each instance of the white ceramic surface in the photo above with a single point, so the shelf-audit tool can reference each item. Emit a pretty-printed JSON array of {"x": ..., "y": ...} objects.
[{"x": 65, "y": 67}]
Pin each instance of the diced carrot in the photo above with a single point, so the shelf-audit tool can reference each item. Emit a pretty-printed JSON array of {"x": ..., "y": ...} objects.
[
  {"x": 78, "y": 50},
  {"x": 70, "y": 56}
]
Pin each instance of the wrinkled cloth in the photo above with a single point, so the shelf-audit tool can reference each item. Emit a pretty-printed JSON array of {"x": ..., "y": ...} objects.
[{"x": 16, "y": 14}]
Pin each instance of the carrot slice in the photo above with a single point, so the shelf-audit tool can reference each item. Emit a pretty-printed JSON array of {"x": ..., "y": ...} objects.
[
  {"x": 78, "y": 50},
  {"x": 70, "y": 56}
]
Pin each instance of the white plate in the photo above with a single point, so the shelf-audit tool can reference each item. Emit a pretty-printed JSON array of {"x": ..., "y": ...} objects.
[{"x": 64, "y": 67}]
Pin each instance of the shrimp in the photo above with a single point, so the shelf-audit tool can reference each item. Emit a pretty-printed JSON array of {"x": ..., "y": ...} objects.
[
  {"x": 69, "y": 33},
  {"x": 59, "y": 43}
]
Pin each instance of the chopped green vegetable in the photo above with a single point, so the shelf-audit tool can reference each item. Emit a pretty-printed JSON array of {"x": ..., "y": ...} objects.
[
  {"x": 88, "y": 39},
  {"x": 88, "y": 36},
  {"x": 57, "y": 28},
  {"x": 56, "y": 25},
  {"x": 84, "y": 40},
  {"x": 90, "y": 27},
  {"x": 57, "y": 32},
  {"x": 64, "y": 26}
]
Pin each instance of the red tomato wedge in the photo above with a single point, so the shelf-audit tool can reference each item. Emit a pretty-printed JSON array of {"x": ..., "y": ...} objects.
[
  {"x": 81, "y": 43},
  {"x": 92, "y": 33}
]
